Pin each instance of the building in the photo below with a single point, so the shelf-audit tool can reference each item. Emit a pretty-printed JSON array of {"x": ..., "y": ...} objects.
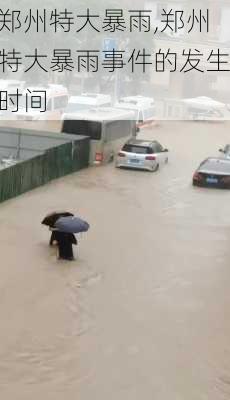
[{"x": 181, "y": 84}]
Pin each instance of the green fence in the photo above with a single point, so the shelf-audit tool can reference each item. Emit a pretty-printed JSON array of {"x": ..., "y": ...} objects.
[{"x": 53, "y": 163}]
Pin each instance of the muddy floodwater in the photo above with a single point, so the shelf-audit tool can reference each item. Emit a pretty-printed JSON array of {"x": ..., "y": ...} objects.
[{"x": 144, "y": 311}]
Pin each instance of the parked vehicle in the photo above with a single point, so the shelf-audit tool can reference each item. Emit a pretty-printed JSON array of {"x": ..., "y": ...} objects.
[
  {"x": 225, "y": 151},
  {"x": 108, "y": 129},
  {"x": 85, "y": 102},
  {"x": 55, "y": 97},
  {"x": 143, "y": 107},
  {"x": 205, "y": 109},
  {"x": 213, "y": 172},
  {"x": 142, "y": 154}
]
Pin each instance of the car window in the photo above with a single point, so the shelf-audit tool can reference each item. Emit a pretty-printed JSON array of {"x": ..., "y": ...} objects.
[
  {"x": 130, "y": 148},
  {"x": 150, "y": 150},
  {"x": 158, "y": 148}
]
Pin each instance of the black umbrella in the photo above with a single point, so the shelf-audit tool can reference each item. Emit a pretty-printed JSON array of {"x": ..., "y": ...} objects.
[
  {"x": 51, "y": 218},
  {"x": 71, "y": 225}
]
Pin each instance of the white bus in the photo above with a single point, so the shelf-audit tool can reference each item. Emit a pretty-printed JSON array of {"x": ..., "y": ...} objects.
[
  {"x": 86, "y": 101},
  {"x": 108, "y": 129},
  {"x": 143, "y": 107},
  {"x": 205, "y": 109}
]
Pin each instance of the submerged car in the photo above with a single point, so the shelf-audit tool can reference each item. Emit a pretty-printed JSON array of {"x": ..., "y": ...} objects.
[
  {"x": 213, "y": 172},
  {"x": 225, "y": 151},
  {"x": 142, "y": 154}
]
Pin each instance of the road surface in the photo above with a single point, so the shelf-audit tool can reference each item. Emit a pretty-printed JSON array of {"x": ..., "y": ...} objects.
[{"x": 143, "y": 313}]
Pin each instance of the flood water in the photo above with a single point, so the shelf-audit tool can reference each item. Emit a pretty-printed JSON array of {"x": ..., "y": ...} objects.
[{"x": 143, "y": 311}]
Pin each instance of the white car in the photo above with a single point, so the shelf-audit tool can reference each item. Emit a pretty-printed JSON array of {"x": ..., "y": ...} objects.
[{"x": 142, "y": 154}]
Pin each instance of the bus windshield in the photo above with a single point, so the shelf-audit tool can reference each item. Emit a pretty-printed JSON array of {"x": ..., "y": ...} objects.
[{"x": 82, "y": 127}]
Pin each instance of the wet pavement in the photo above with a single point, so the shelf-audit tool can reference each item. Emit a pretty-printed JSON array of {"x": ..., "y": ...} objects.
[{"x": 143, "y": 311}]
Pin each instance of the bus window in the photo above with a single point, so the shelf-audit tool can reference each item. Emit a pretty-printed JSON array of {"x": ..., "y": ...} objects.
[{"x": 83, "y": 127}]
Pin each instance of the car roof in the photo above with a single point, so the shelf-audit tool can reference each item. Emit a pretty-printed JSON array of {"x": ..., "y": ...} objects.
[
  {"x": 142, "y": 142},
  {"x": 216, "y": 160},
  {"x": 216, "y": 163}
]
